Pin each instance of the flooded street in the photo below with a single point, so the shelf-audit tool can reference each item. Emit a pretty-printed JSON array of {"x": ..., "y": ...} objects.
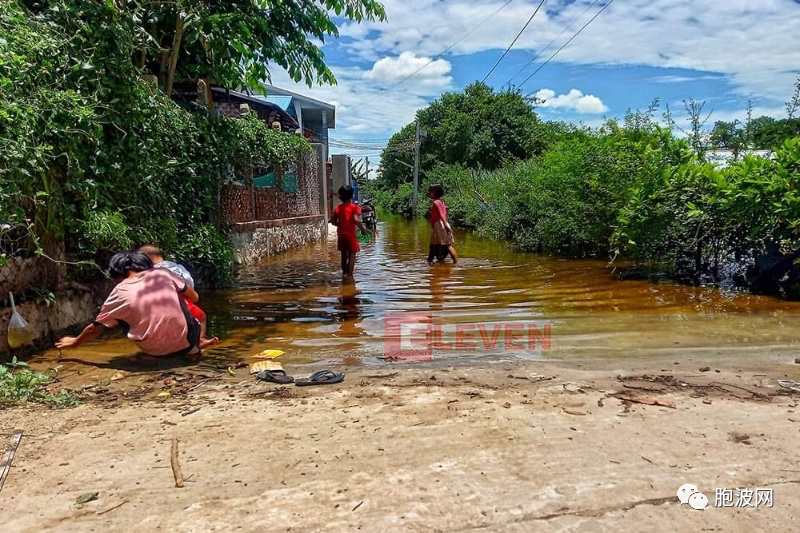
[
  {"x": 296, "y": 302},
  {"x": 602, "y": 427}
]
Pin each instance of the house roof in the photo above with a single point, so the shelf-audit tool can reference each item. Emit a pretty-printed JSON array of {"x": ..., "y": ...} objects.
[
  {"x": 304, "y": 102},
  {"x": 263, "y": 106},
  {"x": 281, "y": 101},
  {"x": 724, "y": 158}
]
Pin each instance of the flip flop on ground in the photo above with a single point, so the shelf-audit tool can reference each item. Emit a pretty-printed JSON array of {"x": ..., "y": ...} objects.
[
  {"x": 275, "y": 376},
  {"x": 323, "y": 377}
]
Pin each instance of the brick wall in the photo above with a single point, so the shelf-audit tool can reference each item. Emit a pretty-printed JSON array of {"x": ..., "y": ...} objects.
[{"x": 245, "y": 203}]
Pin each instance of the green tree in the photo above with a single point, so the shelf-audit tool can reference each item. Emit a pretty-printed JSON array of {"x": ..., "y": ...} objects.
[
  {"x": 768, "y": 133},
  {"x": 477, "y": 128},
  {"x": 93, "y": 159},
  {"x": 232, "y": 42},
  {"x": 727, "y": 136}
]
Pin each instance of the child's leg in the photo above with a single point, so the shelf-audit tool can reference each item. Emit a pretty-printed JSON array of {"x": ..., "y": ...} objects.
[
  {"x": 205, "y": 342},
  {"x": 453, "y": 254},
  {"x": 431, "y": 253},
  {"x": 203, "y": 328},
  {"x": 351, "y": 267},
  {"x": 345, "y": 257}
]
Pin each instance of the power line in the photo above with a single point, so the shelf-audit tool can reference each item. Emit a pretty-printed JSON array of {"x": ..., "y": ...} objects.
[
  {"x": 566, "y": 43},
  {"x": 366, "y": 147},
  {"x": 510, "y": 46},
  {"x": 443, "y": 52},
  {"x": 371, "y": 140},
  {"x": 546, "y": 48}
]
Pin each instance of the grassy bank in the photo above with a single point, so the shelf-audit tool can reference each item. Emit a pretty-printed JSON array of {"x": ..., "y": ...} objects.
[{"x": 637, "y": 191}]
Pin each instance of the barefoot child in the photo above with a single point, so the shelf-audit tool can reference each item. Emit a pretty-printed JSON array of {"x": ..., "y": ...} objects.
[
  {"x": 442, "y": 236},
  {"x": 346, "y": 217},
  {"x": 148, "y": 304},
  {"x": 157, "y": 257}
]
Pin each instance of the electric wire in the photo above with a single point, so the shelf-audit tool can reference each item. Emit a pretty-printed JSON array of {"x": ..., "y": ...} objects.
[
  {"x": 546, "y": 48},
  {"x": 510, "y": 46},
  {"x": 565, "y": 44}
]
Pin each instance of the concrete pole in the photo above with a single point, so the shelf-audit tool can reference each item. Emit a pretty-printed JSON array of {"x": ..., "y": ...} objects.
[{"x": 416, "y": 172}]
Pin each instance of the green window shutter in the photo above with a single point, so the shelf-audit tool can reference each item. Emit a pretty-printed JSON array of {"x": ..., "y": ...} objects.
[
  {"x": 264, "y": 178},
  {"x": 289, "y": 180}
]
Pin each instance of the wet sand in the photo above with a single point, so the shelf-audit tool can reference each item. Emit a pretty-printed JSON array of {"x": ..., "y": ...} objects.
[{"x": 473, "y": 447}]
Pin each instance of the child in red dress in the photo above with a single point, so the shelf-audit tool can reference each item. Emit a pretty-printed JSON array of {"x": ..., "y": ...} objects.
[{"x": 346, "y": 217}]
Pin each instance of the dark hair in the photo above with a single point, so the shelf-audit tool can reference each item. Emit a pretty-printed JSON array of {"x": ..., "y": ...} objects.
[
  {"x": 125, "y": 262},
  {"x": 150, "y": 249},
  {"x": 345, "y": 193},
  {"x": 437, "y": 190}
]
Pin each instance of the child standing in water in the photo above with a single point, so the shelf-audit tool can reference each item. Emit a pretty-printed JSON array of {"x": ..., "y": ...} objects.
[
  {"x": 442, "y": 236},
  {"x": 346, "y": 217}
]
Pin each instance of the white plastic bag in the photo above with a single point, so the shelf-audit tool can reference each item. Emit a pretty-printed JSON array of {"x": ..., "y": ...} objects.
[{"x": 19, "y": 332}]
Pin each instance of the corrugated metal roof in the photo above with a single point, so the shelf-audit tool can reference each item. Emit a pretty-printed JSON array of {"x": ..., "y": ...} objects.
[{"x": 281, "y": 101}]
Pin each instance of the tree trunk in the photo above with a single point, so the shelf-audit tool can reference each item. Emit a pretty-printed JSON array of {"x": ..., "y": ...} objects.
[
  {"x": 162, "y": 69},
  {"x": 173, "y": 56},
  {"x": 698, "y": 261}
]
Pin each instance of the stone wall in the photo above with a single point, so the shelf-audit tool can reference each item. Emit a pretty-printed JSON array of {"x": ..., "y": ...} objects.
[
  {"x": 255, "y": 240},
  {"x": 19, "y": 274},
  {"x": 73, "y": 307}
]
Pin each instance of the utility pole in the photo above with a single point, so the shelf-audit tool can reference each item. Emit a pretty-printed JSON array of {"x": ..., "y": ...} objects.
[
  {"x": 366, "y": 169},
  {"x": 416, "y": 171}
]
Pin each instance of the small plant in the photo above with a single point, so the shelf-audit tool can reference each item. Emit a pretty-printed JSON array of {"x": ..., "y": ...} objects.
[
  {"x": 20, "y": 385},
  {"x": 46, "y": 296}
]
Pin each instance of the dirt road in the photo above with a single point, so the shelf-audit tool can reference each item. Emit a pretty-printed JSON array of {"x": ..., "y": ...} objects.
[{"x": 502, "y": 447}]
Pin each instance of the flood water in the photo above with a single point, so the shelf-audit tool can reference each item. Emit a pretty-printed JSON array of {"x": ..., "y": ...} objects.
[{"x": 297, "y": 302}]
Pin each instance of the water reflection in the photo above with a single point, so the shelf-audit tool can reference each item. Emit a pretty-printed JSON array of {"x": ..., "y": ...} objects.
[{"x": 350, "y": 307}]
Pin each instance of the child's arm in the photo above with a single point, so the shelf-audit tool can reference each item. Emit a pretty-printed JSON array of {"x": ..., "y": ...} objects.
[
  {"x": 191, "y": 294},
  {"x": 90, "y": 332},
  {"x": 335, "y": 217}
]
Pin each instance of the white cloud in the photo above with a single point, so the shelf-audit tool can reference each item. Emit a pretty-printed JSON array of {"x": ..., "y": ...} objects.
[
  {"x": 747, "y": 42},
  {"x": 363, "y": 107},
  {"x": 671, "y": 78},
  {"x": 574, "y": 100},
  {"x": 393, "y": 69}
]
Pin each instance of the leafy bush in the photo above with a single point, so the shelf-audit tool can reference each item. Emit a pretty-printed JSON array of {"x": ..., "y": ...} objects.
[
  {"x": 105, "y": 229},
  {"x": 694, "y": 219},
  {"x": 566, "y": 200},
  {"x": 208, "y": 251},
  {"x": 19, "y": 385}
]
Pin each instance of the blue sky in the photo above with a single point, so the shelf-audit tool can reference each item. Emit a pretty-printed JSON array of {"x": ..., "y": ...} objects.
[{"x": 723, "y": 52}]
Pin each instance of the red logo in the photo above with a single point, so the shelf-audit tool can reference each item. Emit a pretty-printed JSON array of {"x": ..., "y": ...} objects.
[{"x": 417, "y": 336}]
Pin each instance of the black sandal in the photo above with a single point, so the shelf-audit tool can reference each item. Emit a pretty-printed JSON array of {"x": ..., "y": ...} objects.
[
  {"x": 275, "y": 376},
  {"x": 323, "y": 377}
]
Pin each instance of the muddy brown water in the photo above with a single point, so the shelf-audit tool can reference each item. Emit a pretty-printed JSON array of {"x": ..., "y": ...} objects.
[{"x": 297, "y": 302}]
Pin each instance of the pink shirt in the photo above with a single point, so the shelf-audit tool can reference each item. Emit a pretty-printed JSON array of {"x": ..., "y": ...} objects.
[
  {"x": 435, "y": 216},
  {"x": 149, "y": 304}
]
